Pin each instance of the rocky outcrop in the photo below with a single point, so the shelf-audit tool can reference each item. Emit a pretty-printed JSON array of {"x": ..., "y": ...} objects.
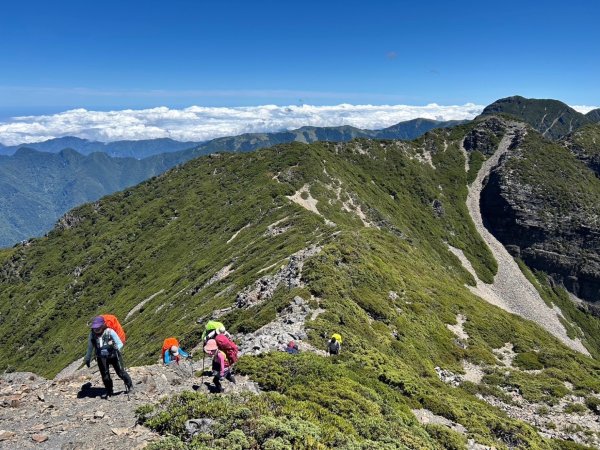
[
  {"x": 288, "y": 275},
  {"x": 510, "y": 289},
  {"x": 485, "y": 137},
  {"x": 288, "y": 326},
  {"x": 68, "y": 221}
]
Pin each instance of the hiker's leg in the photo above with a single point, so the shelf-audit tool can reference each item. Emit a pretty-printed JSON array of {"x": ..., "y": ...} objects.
[
  {"x": 218, "y": 383},
  {"x": 105, "y": 373},
  {"x": 229, "y": 376},
  {"x": 117, "y": 362}
]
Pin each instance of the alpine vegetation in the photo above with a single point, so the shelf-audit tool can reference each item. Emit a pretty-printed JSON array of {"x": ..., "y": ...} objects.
[{"x": 379, "y": 294}]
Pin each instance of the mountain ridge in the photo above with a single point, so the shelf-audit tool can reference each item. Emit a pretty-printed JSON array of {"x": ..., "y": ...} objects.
[
  {"x": 35, "y": 200},
  {"x": 358, "y": 231},
  {"x": 126, "y": 148},
  {"x": 594, "y": 115}
]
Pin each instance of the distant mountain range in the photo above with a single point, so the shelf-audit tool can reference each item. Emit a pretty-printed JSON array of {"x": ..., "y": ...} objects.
[
  {"x": 410, "y": 129},
  {"x": 133, "y": 149},
  {"x": 37, "y": 186}
]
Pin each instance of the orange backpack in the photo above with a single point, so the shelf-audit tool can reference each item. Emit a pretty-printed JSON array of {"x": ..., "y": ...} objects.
[
  {"x": 112, "y": 322},
  {"x": 169, "y": 342}
]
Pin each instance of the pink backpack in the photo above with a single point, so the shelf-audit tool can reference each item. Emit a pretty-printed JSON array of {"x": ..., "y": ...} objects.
[{"x": 228, "y": 347}]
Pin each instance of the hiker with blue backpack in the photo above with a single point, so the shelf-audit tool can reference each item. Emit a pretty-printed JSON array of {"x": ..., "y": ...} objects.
[
  {"x": 172, "y": 351},
  {"x": 107, "y": 344}
]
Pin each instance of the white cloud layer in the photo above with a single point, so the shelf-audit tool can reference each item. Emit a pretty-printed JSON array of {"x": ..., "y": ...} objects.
[
  {"x": 583, "y": 109},
  {"x": 198, "y": 123}
]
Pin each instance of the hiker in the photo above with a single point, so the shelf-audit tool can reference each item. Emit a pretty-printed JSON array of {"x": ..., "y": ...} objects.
[
  {"x": 107, "y": 344},
  {"x": 292, "y": 348},
  {"x": 221, "y": 366},
  {"x": 212, "y": 330},
  {"x": 172, "y": 352},
  {"x": 334, "y": 345}
]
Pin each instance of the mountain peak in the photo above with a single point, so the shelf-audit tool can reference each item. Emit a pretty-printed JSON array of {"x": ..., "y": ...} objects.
[
  {"x": 594, "y": 115},
  {"x": 553, "y": 118}
]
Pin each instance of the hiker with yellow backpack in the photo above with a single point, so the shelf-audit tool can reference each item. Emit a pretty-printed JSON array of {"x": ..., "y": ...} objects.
[
  {"x": 107, "y": 339},
  {"x": 334, "y": 346},
  {"x": 212, "y": 329}
]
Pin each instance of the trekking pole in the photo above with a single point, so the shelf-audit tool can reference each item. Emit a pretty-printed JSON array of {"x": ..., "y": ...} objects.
[
  {"x": 190, "y": 362},
  {"x": 120, "y": 358}
]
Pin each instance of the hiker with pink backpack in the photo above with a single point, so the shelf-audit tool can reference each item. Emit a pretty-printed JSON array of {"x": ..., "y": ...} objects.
[
  {"x": 222, "y": 364},
  {"x": 224, "y": 352}
]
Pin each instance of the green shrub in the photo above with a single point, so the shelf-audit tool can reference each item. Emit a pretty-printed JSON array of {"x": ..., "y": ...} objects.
[
  {"x": 569, "y": 445},
  {"x": 168, "y": 443},
  {"x": 528, "y": 361},
  {"x": 593, "y": 403},
  {"x": 575, "y": 408},
  {"x": 447, "y": 438}
]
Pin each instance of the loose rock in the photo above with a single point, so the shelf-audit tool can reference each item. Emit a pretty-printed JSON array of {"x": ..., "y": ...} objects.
[
  {"x": 39, "y": 438},
  {"x": 6, "y": 435}
]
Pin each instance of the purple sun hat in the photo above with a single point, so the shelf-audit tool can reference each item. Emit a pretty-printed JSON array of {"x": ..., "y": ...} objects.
[{"x": 98, "y": 322}]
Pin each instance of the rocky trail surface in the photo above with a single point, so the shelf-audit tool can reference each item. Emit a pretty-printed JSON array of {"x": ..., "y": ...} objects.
[{"x": 70, "y": 413}]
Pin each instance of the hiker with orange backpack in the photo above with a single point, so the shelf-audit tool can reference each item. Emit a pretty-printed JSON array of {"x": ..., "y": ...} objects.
[
  {"x": 172, "y": 352},
  {"x": 221, "y": 365},
  {"x": 108, "y": 344}
]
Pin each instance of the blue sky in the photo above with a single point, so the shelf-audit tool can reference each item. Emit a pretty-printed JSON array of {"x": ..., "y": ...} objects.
[{"x": 133, "y": 54}]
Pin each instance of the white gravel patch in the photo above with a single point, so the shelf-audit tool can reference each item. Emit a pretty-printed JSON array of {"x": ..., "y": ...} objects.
[
  {"x": 510, "y": 289},
  {"x": 473, "y": 372},
  {"x": 141, "y": 304},
  {"x": 458, "y": 328},
  {"x": 465, "y": 154},
  {"x": 309, "y": 202}
]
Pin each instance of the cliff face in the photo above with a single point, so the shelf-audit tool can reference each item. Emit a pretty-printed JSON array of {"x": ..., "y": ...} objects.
[{"x": 542, "y": 203}]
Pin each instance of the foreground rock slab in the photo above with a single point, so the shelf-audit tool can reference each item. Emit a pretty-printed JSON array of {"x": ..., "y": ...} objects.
[{"x": 74, "y": 415}]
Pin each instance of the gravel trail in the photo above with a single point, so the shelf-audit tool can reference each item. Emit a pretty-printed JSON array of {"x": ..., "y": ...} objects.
[{"x": 511, "y": 290}]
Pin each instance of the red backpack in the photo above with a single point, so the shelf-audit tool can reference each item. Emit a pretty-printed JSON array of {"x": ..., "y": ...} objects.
[
  {"x": 112, "y": 322},
  {"x": 228, "y": 347},
  {"x": 167, "y": 344}
]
